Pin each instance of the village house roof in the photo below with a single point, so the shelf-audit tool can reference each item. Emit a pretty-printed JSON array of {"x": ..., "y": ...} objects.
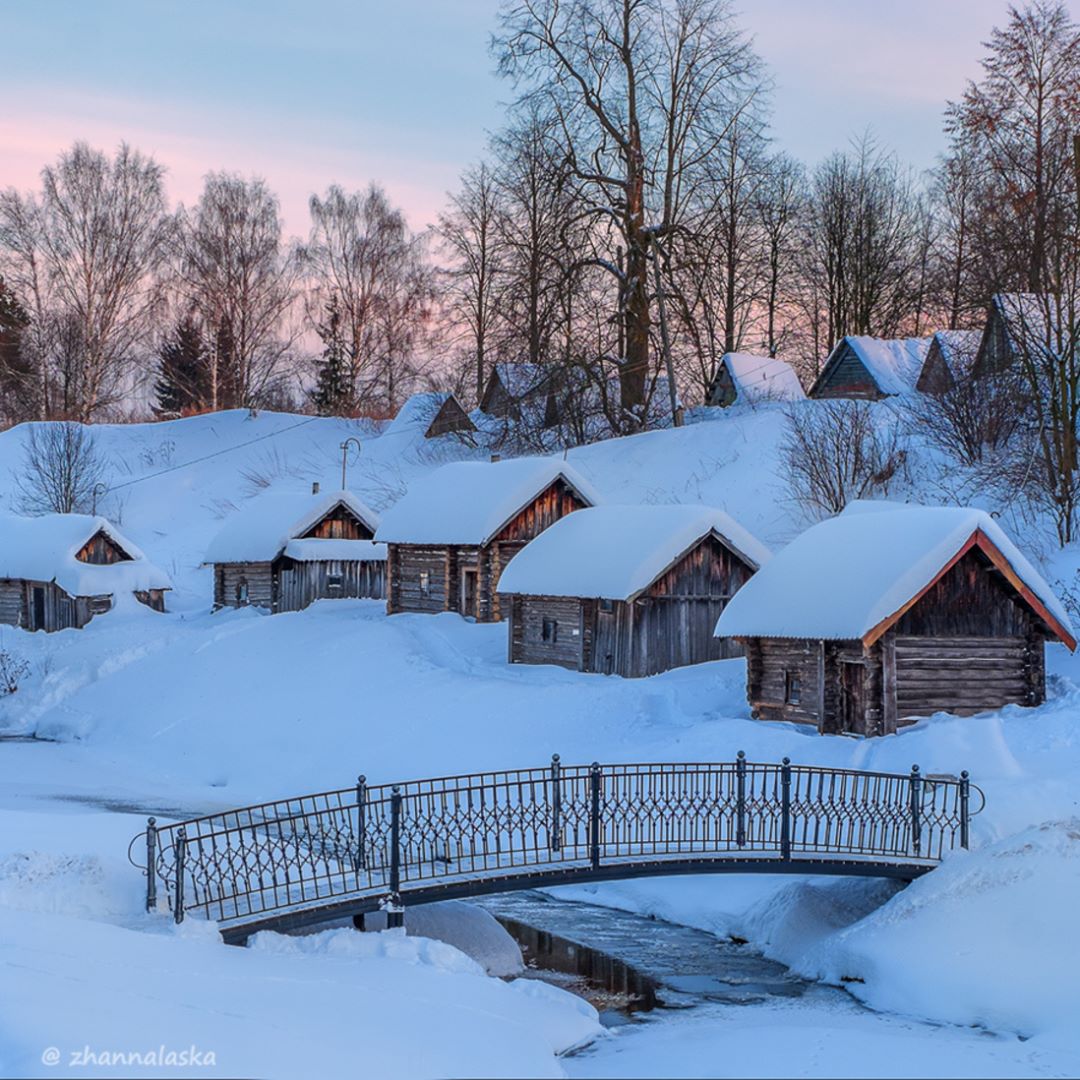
[
  {"x": 262, "y": 528},
  {"x": 433, "y": 413},
  {"x": 468, "y": 502},
  {"x": 761, "y": 378},
  {"x": 958, "y": 348},
  {"x": 893, "y": 363},
  {"x": 44, "y": 549},
  {"x": 616, "y": 552},
  {"x": 852, "y": 577}
]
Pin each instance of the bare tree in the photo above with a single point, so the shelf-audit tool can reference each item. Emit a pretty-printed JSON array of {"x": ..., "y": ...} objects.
[
  {"x": 864, "y": 253},
  {"x": 469, "y": 235},
  {"x": 362, "y": 254},
  {"x": 84, "y": 254},
  {"x": 61, "y": 469},
  {"x": 643, "y": 92},
  {"x": 1018, "y": 121},
  {"x": 233, "y": 270},
  {"x": 836, "y": 451}
]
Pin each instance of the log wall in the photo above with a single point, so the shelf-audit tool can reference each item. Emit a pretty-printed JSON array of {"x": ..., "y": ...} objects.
[
  {"x": 260, "y": 585},
  {"x": 846, "y": 377},
  {"x": 528, "y": 614},
  {"x": 298, "y": 584}
]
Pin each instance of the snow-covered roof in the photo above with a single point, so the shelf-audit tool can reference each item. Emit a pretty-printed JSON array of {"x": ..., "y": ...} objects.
[
  {"x": 1036, "y": 320},
  {"x": 521, "y": 379},
  {"x": 468, "y": 502},
  {"x": 615, "y": 552},
  {"x": 260, "y": 529},
  {"x": 893, "y": 363},
  {"x": 419, "y": 412},
  {"x": 314, "y": 549},
  {"x": 849, "y": 578},
  {"x": 44, "y": 549},
  {"x": 762, "y": 378},
  {"x": 958, "y": 347}
]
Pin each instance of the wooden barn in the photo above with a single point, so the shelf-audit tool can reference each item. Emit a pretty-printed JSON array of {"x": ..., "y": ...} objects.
[
  {"x": 450, "y": 536},
  {"x": 951, "y": 354},
  {"x": 60, "y": 570},
  {"x": 871, "y": 368},
  {"x": 284, "y": 550},
  {"x": 432, "y": 415},
  {"x": 513, "y": 388},
  {"x": 887, "y": 613},
  {"x": 1024, "y": 322},
  {"x": 627, "y": 590},
  {"x": 748, "y": 379}
]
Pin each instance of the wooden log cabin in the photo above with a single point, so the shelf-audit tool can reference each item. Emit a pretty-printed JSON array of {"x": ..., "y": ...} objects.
[
  {"x": 748, "y": 379},
  {"x": 432, "y": 415},
  {"x": 449, "y": 538},
  {"x": 60, "y": 570},
  {"x": 627, "y": 590},
  {"x": 284, "y": 550},
  {"x": 888, "y": 613},
  {"x": 871, "y": 368},
  {"x": 950, "y": 356}
]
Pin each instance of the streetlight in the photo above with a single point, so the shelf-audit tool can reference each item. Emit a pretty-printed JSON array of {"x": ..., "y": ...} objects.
[
  {"x": 97, "y": 493},
  {"x": 345, "y": 456}
]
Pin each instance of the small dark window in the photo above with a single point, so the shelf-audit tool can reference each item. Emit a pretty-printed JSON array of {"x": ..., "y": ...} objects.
[
  {"x": 792, "y": 687},
  {"x": 334, "y": 581},
  {"x": 607, "y": 605},
  {"x": 550, "y": 630},
  {"x": 242, "y": 591},
  {"x": 425, "y": 583}
]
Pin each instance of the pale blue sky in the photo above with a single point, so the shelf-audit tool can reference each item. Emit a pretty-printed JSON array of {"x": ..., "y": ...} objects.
[{"x": 403, "y": 91}]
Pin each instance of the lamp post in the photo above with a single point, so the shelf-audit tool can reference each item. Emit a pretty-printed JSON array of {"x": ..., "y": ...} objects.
[
  {"x": 97, "y": 493},
  {"x": 345, "y": 456}
]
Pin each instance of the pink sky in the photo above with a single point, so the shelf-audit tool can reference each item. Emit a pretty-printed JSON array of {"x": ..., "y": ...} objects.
[{"x": 347, "y": 92}]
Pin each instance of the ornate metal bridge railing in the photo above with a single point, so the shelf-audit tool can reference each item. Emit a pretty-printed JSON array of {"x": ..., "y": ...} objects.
[{"x": 369, "y": 846}]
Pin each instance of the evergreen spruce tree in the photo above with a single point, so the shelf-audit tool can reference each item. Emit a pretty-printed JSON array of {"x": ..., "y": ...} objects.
[
  {"x": 332, "y": 394},
  {"x": 183, "y": 374},
  {"x": 18, "y": 377}
]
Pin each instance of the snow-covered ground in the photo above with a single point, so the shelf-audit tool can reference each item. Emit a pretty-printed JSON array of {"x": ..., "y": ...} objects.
[{"x": 186, "y": 712}]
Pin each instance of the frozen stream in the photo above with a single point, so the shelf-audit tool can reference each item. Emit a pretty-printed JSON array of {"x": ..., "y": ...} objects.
[{"x": 682, "y": 1002}]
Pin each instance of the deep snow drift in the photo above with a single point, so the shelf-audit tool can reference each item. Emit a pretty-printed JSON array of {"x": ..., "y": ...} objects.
[{"x": 191, "y": 711}]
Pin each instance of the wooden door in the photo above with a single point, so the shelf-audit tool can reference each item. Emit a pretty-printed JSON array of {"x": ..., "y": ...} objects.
[
  {"x": 852, "y": 697},
  {"x": 38, "y": 611},
  {"x": 469, "y": 578},
  {"x": 604, "y": 640}
]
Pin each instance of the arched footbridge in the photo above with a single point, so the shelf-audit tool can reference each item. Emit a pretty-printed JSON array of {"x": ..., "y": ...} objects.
[{"x": 301, "y": 861}]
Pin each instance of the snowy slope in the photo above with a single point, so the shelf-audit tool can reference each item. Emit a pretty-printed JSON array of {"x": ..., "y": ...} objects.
[{"x": 185, "y": 712}]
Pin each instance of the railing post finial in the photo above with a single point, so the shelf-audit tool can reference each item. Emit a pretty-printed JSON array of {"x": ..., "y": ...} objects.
[
  {"x": 180, "y": 847},
  {"x": 395, "y": 912},
  {"x": 965, "y": 811},
  {"x": 594, "y": 815},
  {"x": 916, "y": 810},
  {"x": 740, "y": 800},
  {"x": 555, "y": 837},
  {"x": 785, "y": 810},
  {"x": 151, "y": 861}
]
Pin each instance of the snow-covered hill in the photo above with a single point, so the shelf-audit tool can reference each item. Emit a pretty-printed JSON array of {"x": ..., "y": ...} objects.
[{"x": 192, "y": 711}]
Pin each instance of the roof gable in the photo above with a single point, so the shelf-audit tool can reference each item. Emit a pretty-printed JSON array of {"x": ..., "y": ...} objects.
[
  {"x": 857, "y": 573},
  {"x": 615, "y": 552},
  {"x": 755, "y": 379},
  {"x": 260, "y": 530},
  {"x": 470, "y": 502},
  {"x": 47, "y": 548},
  {"x": 891, "y": 365}
]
